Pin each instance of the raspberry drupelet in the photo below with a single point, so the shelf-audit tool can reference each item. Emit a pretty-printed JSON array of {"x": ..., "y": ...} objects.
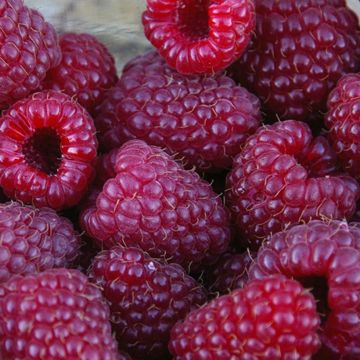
[
  {"x": 199, "y": 36},
  {"x": 28, "y": 49},
  {"x": 230, "y": 272},
  {"x": 147, "y": 297},
  {"x": 154, "y": 204},
  {"x": 33, "y": 240},
  {"x": 56, "y": 314},
  {"x": 272, "y": 318},
  {"x": 325, "y": 256},
  {"x": 299, "y": 51},
  {"x": 343, "y": 122},
  {"x": 201, "y": 119},
  {"x": 283, "y": 176},
  {"x": 86, "y": 71},
  {"x": 48, "y": 146}
]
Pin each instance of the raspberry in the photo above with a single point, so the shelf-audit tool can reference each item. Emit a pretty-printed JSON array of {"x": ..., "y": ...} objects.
[
  {"x": 33, "y": 240},
  {"x": 274, "y": 318},
  {"x": 105, "y": 167},
  {"x": 228, "y": 273},
  {"x": 199, "y": 36},
  {"x": 201, "y": 119},
  {"x": 86, "y": 71},
  {"x": 317, "y": 253},
  {"x": 47, "y": 146},
  {"x": 300, "y": 50},
  {"x": 28, "y": 49},
  {"x": 55, "y": 315},
  {"x": 146, "y": 297},
  {"x": 154, "y": 204},
  {"x": 343, "y": 122},
  {"x": 283, "y": 176}
]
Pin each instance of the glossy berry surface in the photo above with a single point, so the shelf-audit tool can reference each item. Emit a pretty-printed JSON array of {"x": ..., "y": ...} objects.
[
  {"x": 300, "y": 50},
  {"x": 86, "y": 71},
  {"x": 47, "y": 146},
  {"x": 329, "y": 251},
  {"x": 199, "y": 36},
  {"x": 28, "y": 49},
  {"x": 284, "y": 175},
  {"x": 54, "y": 315},
  {"x": 230, "y": 272},
  {"x": 274, "y": 318},
  {"x": 154, "y": 204},
  {"x": 33, "y": 240},
  {"x": 343, "y": 122},
  {"x": 147, "y": 297},
  {"x": 203, "y": 120}
]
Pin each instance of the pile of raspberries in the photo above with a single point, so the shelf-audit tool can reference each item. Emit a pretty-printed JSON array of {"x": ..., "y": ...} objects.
[{"x": 199, "y": 205}]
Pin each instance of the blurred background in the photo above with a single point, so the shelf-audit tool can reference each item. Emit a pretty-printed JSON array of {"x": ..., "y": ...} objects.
[{"x": 116, "y": 22}]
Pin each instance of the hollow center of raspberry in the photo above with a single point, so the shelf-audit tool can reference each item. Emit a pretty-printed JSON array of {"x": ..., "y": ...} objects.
[
  {"x": 319, "y": 288},
  {"x": 193, "y": 18},
  {"x": 42, "y": 150}
]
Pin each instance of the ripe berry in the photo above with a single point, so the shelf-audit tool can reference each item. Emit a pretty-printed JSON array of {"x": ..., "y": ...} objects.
[
  {"x": 343, "y": 122},
  {"x": 28, "y": 49},
  {"x": 274, "y": 318},
  {"x": 47, "y": 147},
  {"x": 33, "y": 240},
  {"x": 300, "y": 50},
  {"x": 199, "y": 36},
  {"x": 230, "y": 272},
  {"x": 105, "y": 167},
  {"x": 146, "y": 297},
  {"x": 203, "y": 120},
  {"x": 86, "y": 71},
  {"x": 154, "y": 204},
  {"x": 283, "y": 176},
  {"x": 320, "y": 253},
  {"x": 56, "y": 314}
]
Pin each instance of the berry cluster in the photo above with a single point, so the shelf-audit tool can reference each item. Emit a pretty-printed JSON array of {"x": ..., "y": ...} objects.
[{"x": 163, "y": 214}]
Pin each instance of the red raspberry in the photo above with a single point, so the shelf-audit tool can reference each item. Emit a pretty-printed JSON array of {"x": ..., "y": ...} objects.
[
  {"x": 28, "y": 49},
  {"x": 199, "y": 36},
  {"x": 283, "y": 176},
  {"x": 86, "y": 71},
  {"x": 105, "y": 167},
  {"x": 300, "y": 50},
  {"x": 54, "y": 315},
  {"x": 343, "y": 122},
  {"x": 154, "y": 204},
  {"x": 47, "y": 146},
  {"x": 33, "y": 240},
  {"x": 230, "y": 272},
  {"x": 329, "y": 251},
  {"x": 270, "y": 319},
  {"x": 146, "y": 297},
  {"x": 204, "y": 120}
]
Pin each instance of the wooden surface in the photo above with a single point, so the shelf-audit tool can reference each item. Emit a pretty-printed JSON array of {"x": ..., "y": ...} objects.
[{"x": 116, "y": 22}]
